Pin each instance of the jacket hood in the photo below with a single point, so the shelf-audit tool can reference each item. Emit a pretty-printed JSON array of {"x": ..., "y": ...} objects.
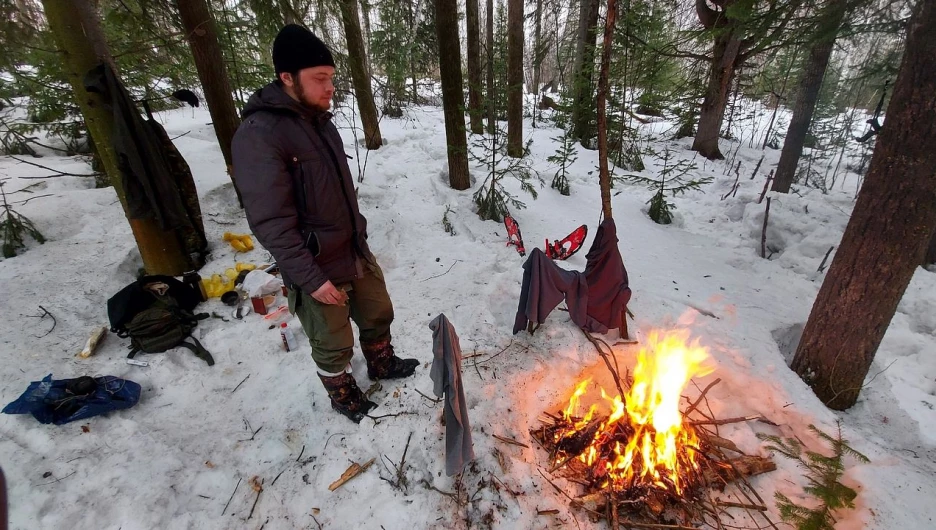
[{"x": 273, "y": 98}]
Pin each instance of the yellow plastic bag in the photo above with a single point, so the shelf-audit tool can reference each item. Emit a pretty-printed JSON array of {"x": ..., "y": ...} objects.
[
  {"x": 217, "y": 285},
  {"x": 239, "y": 242}
]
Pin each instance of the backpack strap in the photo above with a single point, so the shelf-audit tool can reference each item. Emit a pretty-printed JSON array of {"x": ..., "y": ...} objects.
[
  {"x": 198, "y": 350},
  {"x": 133, "y": 352}
]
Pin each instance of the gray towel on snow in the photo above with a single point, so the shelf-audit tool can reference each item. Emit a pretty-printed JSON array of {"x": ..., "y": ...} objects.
[{"x": 446, "y": 379}]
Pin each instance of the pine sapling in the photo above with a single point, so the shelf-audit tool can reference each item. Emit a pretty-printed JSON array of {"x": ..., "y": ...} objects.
[
  {"x": 13, "y": 226},
  {"x": 564, "y": 156},
  {"x": 672, "y": 181},
  {"x": 492, "y": 198},
  {"x": 823, "y": 474}
]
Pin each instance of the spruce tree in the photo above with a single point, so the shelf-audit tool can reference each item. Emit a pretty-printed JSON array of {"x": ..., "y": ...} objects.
[
  {"x": 564, "y": 156},
  {"x": 492, "y": 198},
  {"x": 671, "y": 182}
]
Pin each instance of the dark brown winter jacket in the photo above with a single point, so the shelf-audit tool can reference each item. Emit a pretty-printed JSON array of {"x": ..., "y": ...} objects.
[{"x": 292, "y": 172}]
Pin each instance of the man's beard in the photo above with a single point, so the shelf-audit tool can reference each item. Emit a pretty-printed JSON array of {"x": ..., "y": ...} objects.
[{"x": 305, "y": 102}]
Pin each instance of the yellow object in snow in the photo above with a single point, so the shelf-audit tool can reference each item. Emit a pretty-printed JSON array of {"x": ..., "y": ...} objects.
[
  {"x": 240, "y": 267},
  {"x": 217, "y": 285},
  {"x": 239, "y": 242}
]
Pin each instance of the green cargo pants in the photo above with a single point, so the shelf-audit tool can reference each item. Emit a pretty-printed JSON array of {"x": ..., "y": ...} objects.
[{"x": 329, "y": 326}]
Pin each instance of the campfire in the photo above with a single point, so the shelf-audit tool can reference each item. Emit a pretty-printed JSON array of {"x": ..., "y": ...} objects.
[{"x": 640, "y": 458}]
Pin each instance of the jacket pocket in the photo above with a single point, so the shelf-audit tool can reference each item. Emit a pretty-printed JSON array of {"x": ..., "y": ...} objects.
[
  {"x": 327, "y": 242},
  {"x": 306, "y": 165}
]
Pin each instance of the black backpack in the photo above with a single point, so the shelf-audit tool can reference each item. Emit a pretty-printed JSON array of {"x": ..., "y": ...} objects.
[{"x": 157, "y": 321}]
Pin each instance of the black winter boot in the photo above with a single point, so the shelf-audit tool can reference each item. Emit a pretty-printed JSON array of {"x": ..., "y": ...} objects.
[
  {"x": 346, "y": 397},
  {"x": 383, "y": 364}
]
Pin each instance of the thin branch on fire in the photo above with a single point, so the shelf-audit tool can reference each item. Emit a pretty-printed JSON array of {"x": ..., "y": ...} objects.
[
  {"x": 604, "y": 356},
  {"x": 701, "y": 396},
  {"x": 632, "y": 524},
  {"x": 742, "y": 505},
  {"x": 745, "y": 487},
  {"x": 726, "y": 421}
]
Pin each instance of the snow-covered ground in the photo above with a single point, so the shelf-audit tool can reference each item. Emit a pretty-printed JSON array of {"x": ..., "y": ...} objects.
[{"x": 185, "y": 455}]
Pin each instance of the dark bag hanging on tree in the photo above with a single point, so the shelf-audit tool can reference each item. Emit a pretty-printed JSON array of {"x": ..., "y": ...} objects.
[{"x": 155, "y": 312}]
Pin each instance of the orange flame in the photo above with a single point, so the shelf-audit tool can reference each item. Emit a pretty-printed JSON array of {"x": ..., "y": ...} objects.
[{"x": 652, "y": 455}]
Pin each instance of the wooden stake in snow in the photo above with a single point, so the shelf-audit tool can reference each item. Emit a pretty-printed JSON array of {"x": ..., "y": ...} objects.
[
  {"x": 766, "y": 185},
  {"x": 763, "y": 237}
]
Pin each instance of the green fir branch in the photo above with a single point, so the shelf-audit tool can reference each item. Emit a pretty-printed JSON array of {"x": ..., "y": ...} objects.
[{"x": 823, "y": 474}]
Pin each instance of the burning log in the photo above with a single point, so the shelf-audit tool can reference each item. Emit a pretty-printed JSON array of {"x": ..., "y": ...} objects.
[
  {"x": 745, "y": 466},
  {"x": 717, "y": 441}
]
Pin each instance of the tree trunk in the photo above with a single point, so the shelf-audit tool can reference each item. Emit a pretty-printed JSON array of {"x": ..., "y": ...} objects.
[
  {"x": 360, "y": 75},
  {"x": 889, "y": 230},
  {"x": 411, "y": 12},
  {"x": 538, "y": 54},
  {"x": 584, "y": 71},
  {"x": 491, "y": 98},
  {"x": 75, "y": 24},
  {"x": 604, "y": 175},
  {"x": 807, "y": 95},
  {"x": 515, "y": 78},
  {"x": 929, "y": 257},
  {"x": 721, "y": 73},
  {"x": 779, "y": 98},
  {"x": 365, "y": 11},
  {"x": 453, "y": 99},
  {"x": 287, "y": 11},
  {"x": 475, "y": 110},
  {"x": 203, "y": 39}
]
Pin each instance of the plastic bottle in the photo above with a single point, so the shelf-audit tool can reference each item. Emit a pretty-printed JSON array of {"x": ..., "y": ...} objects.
[{"x": 289, "y": 340}]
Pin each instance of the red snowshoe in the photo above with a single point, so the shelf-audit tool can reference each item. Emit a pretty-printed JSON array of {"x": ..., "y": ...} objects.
[
  {"x": 568, "y": 246},
  {"x": 513, "y": 234}
]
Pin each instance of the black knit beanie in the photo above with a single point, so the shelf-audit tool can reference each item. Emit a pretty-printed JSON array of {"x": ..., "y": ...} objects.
[{"x": 296, "y": 48}]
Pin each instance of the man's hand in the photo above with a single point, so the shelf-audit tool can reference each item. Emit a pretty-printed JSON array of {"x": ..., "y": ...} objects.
[{"x": 328, "y": 294}]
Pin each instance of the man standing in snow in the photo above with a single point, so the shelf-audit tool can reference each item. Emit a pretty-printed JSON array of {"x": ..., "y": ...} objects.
[{"x": 292, "y": 171}]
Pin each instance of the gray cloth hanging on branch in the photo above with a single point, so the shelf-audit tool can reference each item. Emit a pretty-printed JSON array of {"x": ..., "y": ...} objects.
[
  {"x": 446, "y": 379},
  {"x": 545, "y": 286}
]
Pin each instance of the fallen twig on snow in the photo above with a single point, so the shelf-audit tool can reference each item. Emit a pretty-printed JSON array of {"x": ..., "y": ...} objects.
[
  {"x": 400, "y": 468},
  {"x": 239, "y": 384},
  {"x": 434, "y": 400},
  {"x": 258, "y": 487},
  {"x": 511, "y": 441},
  {"x": 375, "y": 418},
  {"x": 57, "y": 480},
  {"x": 822, "y": 265},
  {"x": 252, "y": 436},
  {"x": 31, "y": 198},
  {"x": 232, "y": 496},
  {"x": 353, "y": 470},
  {"x": 443, "y": 274},
  {"x": 45, "y": 313}
]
